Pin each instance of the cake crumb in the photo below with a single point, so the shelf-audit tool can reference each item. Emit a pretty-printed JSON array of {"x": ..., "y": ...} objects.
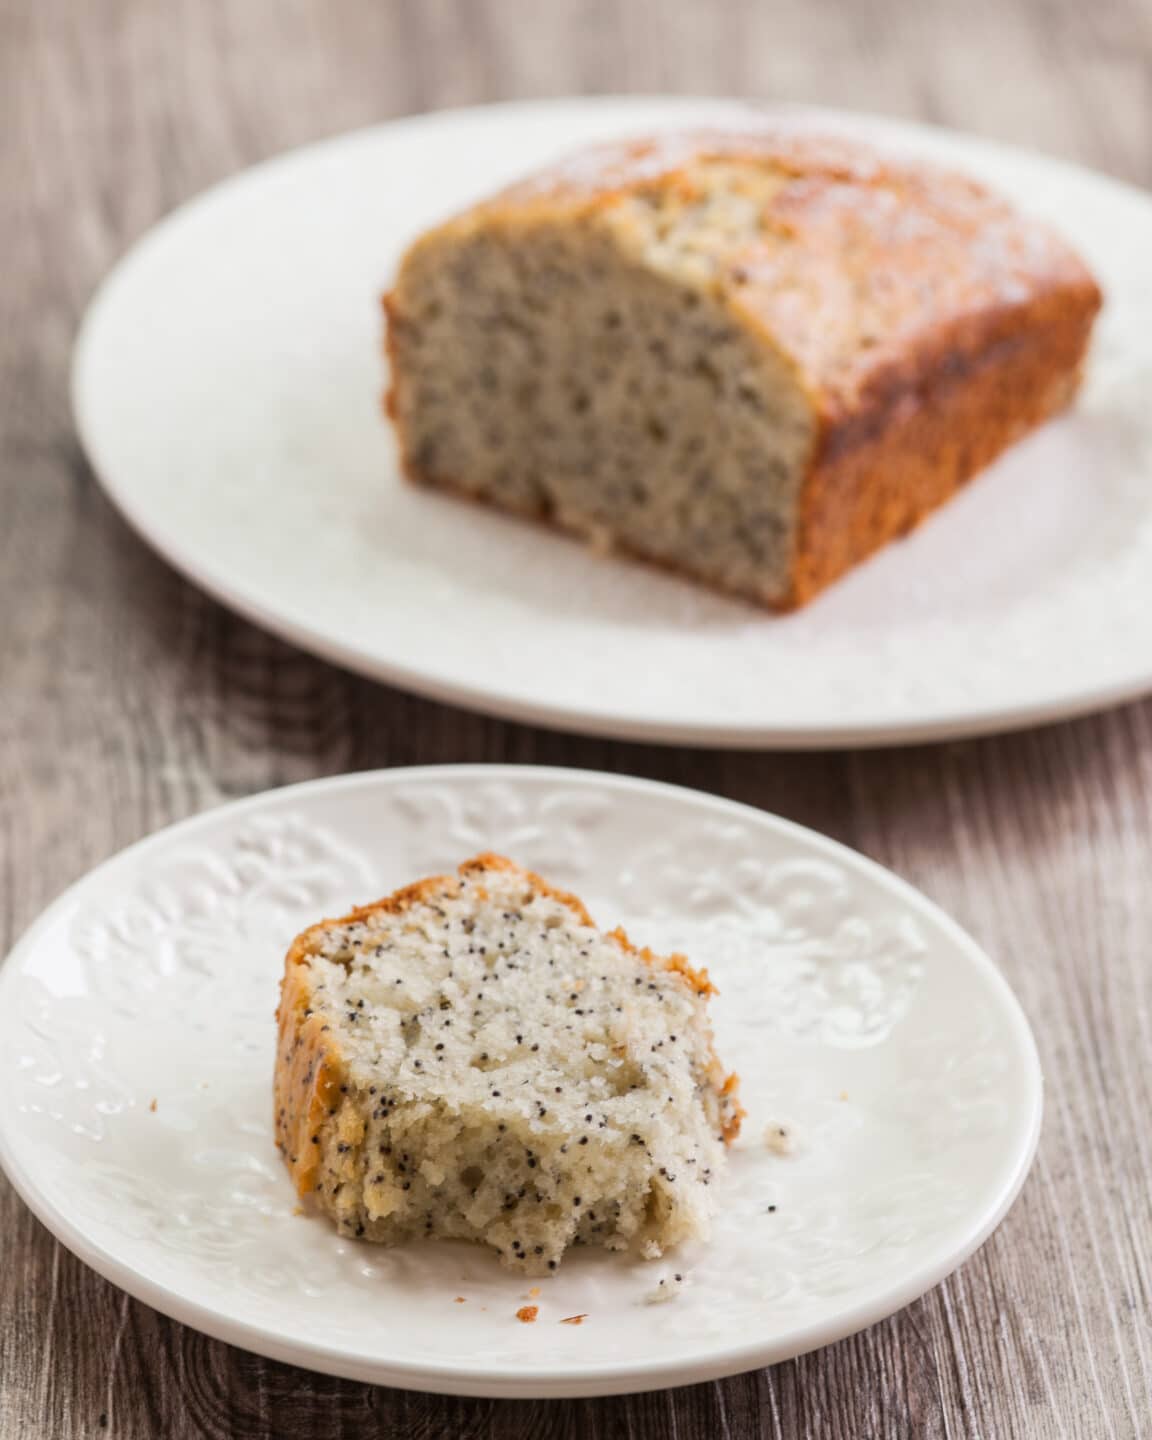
[
  {"x": 535, "y": 1290},
  {"x": 574, "y": 1319},
  {"x": 843, "y": 1094},
  {"x": 780, "y": 1139},
  {"x": 666, "y": 1290},
  {"x": 459, "y": 1300},
  {"x": 152, "y": 1107},
  {"x": 527, "y": 1313},
  {"x": 298, "y": 1210}
]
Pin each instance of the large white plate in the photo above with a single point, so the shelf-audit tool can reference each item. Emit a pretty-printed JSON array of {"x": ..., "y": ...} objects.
[
  {"x": 858, "y": 1015},
  {"x": 227, "y": 384}
]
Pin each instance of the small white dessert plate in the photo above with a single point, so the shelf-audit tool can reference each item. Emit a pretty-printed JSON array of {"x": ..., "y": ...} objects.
[
  {"x": 227, "y": 388},
  {"x": 136, "y": 1052}
]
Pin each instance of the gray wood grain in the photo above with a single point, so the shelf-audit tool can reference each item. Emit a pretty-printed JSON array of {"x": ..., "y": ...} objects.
[{"x": 128, "y": 700}]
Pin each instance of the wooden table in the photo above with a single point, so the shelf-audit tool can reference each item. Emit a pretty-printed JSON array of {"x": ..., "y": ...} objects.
[{"x": 128, "y": 700}]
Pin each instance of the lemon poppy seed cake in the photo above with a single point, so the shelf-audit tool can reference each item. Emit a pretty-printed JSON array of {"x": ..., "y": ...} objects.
[
  {"x": 472, "y": 1058},
  {"x": 753, "y": 359}
]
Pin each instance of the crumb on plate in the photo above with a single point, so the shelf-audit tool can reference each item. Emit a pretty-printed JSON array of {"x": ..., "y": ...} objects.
[
  {"x": 527, "y": 1313},
  {"x": 459, "y": 1300},
  {"x": 780, "y": 1139},
  {"x": 574, "y": 1319},
  {"x": 666, "y": 1290},
  {"x": 152, "y": 1107}
]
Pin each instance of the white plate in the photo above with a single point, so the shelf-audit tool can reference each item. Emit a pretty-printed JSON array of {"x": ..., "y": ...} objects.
[
  {"x": 227, "y": 386},
  {"x": 857, "y": 1014}
]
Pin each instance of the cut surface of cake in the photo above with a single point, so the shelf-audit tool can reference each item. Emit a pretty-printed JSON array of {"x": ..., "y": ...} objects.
[
  {"x": 753, "y": 359},
  {"x": 471, "y": 1058}
]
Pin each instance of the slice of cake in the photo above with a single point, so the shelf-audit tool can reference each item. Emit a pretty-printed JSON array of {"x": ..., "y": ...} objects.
[
  {"x": 471, "y": 1058},
  {"x": 752, "y": 358}
]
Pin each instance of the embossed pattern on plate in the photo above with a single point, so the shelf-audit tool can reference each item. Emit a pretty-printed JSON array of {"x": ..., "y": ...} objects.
[{"x": 858, "y": 1016}]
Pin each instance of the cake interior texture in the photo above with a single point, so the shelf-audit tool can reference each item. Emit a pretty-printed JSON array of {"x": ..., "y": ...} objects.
[
  {"x": 588, "y": 372},
  {"x": 473, "y": 1059}
]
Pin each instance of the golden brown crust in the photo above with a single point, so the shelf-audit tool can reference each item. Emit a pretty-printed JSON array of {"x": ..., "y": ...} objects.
[
  {"x": 937, "y": 326},
  {"x": 731, "y": 1127},
  {"x": 309, "y": 1068},
  {"x": 914, "y": 455},
  {"x": 929, "y": 324},
  {"x": 308, "y": 1074}
]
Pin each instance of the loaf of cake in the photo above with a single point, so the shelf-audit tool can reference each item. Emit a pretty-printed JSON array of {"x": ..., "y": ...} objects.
[
  {"x": 754, "y": 359},
  {"x": 471, "y": 1058}
]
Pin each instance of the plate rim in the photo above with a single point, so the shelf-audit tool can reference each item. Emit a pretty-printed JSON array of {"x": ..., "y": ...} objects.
[
  {"x": 629, "y": 1377},
  {"x": 1063, "y": 702}
]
